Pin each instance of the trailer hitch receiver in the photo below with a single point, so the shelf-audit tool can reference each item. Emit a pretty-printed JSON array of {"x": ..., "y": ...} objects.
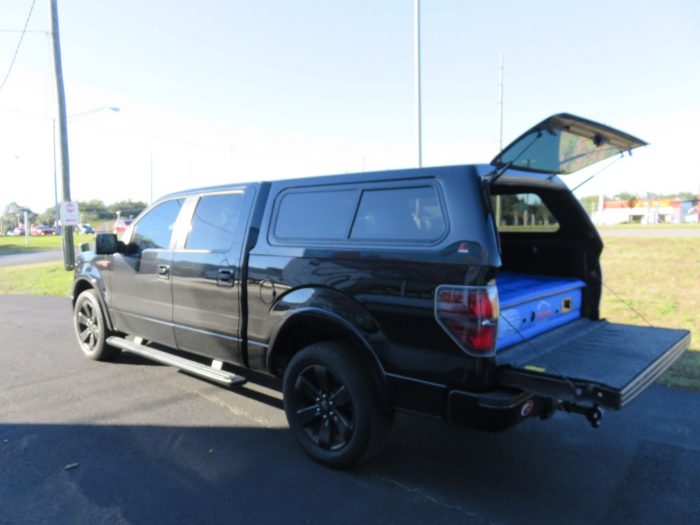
[{"x": 593, "y": 413}]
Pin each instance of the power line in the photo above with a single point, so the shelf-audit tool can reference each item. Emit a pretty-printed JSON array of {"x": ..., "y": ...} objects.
[{"x": 19, "y": 44}]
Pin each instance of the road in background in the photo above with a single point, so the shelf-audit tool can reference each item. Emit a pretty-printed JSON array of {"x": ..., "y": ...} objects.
[
  {"x": 134, "y": 442},
  {"x": 17, "y": 259},
  {"x": 649, "y": 232}
]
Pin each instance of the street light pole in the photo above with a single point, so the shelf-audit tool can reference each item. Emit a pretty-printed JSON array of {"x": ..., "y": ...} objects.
[
  {"x": 66, "y": 231},
  {"x": 419, "y": 124}
]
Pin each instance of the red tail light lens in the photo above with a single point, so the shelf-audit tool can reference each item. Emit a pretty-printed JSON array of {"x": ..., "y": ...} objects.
[{"x": 469, "y": 314}]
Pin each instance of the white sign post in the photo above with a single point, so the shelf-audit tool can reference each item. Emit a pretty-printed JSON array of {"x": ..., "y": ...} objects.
[{"x": 70, "y": 216}]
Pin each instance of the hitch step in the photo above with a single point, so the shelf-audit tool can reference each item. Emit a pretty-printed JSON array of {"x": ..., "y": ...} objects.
[{"x": 186, "y": 365}]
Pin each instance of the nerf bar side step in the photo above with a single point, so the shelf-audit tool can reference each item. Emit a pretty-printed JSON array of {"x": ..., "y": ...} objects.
[{"x": 186, "y": 365}]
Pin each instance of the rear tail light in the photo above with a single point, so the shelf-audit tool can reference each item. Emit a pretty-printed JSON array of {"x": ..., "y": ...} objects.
[{"x": 469, "y": 315}]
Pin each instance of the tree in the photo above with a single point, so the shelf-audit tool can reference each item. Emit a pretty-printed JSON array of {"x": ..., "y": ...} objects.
[
  {"x": 48, "y": 217},
  {"x": 590, "y": 203},
  {"x": 13, "y": 215},
  {"x": 128, "y": 209},
  {"x": 94, "y": 211}
]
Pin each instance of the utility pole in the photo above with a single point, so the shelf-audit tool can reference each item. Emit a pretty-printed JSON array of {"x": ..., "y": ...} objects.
[
  {"x": 419, "y": 124},
  {"x": 151, "y": 176},
  {"x": 66, "y": 231},
  {"x": 500, "y": 129}
]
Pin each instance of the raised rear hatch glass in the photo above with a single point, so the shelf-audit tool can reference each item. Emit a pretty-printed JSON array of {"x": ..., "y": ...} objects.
[{"x": 564, "y": 144}]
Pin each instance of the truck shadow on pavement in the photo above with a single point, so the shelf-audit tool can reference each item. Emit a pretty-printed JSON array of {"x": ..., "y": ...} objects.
[{"x": 429, "y": 472}]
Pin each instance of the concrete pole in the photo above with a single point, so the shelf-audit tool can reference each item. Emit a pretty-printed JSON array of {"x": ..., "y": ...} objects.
[
  {"x": 500, "y": 129},
  {"x": 419, "y": 117},
  {"x": 151, "y": 177},
  {"x": 66, "y": 231}
]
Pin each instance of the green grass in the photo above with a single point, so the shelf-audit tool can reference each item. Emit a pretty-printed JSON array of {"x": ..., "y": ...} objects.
[
  {"x": 37, "y": 279},
  {"x": 45, "y": 242},
  {"x": 685, "y": 373},
  {"x": 659, "y": 278}
]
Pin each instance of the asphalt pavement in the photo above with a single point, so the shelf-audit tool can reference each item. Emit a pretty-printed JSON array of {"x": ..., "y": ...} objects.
[
  {"x": 133, "y": 442},
  {"x": 16, "y": 259}
]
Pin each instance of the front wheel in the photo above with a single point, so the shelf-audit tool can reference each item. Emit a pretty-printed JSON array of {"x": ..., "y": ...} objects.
[
  {"x": 91, "y": 328},
  {"x": 332, "y": 405}
]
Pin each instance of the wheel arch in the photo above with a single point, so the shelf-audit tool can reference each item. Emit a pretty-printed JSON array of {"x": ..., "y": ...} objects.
[
  {"x": 80, "y": 285},
  {"x": 307, "y": 326}
]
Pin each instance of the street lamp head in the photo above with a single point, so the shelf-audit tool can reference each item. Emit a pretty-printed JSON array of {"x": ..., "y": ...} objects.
[{"x": 116, "y": 110}]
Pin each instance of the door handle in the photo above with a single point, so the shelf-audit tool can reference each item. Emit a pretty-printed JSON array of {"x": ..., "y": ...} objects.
[
  {"x": 225, "y": 276},
  {"x": 163, "y": 270}
]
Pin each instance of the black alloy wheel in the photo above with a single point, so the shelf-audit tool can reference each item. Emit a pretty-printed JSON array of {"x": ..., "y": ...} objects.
[
  {"x": 324, "y": 407},
  {"x": 91, "y": 328},
  {"x": 333, "y": 405}
]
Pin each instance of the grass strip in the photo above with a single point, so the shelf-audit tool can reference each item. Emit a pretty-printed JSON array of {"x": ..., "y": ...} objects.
[{"x": 36, "y": 279}]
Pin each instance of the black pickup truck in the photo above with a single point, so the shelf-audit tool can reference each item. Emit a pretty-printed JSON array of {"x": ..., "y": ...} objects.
[{"x": 469, "y": 293}]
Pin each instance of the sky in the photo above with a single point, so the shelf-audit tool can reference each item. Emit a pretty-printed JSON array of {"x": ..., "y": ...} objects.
[{"x": 214, "y": 92}]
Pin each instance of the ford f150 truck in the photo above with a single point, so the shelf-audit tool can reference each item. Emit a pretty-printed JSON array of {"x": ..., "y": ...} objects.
[{"x": 469, "y": 293}]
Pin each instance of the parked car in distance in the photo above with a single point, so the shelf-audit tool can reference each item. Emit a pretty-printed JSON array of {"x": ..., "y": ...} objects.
[
  {"x": 41, "y": 229},
  {"x": 466, "y": 293},
  {"x": 18, "y": 230},
  {"x": 85, "y": 229}
]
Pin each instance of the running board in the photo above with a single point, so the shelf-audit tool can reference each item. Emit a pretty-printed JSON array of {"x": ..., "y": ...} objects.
[{"x": 186, "y": 365}]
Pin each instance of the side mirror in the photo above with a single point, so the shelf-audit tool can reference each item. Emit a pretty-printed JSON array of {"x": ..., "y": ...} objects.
[{"x": 106, "y": 244}]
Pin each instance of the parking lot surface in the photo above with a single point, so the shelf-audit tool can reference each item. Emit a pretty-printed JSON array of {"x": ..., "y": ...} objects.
[{"x": 134, "y": 442}]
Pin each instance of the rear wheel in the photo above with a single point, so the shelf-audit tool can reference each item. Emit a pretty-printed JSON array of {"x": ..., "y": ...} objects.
[
  {"x": 332, "y": 405},
  {"x": 91, "y": 328}
]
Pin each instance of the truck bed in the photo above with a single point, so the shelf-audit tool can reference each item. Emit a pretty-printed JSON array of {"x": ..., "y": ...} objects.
[
  {"x": 534, "y": 304},
  {"x": 607, "y": 363}
]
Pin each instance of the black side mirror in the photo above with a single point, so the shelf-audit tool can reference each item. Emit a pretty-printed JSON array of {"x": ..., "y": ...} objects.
[{"x": 106, "y": 244}]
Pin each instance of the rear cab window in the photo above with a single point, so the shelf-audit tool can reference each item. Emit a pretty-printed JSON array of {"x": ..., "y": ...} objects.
[
  {"x": 216, "y": 222},
  {"x": 405, "y": 214}
]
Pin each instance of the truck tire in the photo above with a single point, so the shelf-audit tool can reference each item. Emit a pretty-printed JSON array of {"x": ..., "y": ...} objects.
[
  {"x": 91, "y": 328},
  {"x": 332, "y": 405}
]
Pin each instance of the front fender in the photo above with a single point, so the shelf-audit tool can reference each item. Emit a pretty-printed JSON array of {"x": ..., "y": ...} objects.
[{"x": 88, "y": 275}]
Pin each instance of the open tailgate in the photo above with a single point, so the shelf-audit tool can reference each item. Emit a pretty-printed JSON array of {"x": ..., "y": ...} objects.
[{"x": 596, "y": 361}]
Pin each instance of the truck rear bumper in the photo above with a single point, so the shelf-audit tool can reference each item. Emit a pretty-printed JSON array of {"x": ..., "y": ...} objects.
[{"x": 494, "y": 410}]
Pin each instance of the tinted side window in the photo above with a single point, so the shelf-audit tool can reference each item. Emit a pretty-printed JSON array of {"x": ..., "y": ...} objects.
[
  {"x": 316, "y": 215},
  {"x": 523, "y": 212},
  {"x": 215, "y": 225},
  {"x": 402, "y": 214},
  {"x": 155, "y": 229}
]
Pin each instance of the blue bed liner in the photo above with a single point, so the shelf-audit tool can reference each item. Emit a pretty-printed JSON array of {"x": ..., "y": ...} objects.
[{"x": 533, "y": 304}]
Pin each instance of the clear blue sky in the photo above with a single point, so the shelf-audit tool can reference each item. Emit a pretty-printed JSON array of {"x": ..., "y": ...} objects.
[{"x": 220, "y": 91}]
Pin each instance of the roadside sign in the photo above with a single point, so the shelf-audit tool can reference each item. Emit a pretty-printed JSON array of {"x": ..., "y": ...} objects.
[{"x": 70, "y": 216}]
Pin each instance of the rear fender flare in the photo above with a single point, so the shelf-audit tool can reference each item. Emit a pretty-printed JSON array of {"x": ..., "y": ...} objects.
[{"x": 342, "y": 314}]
